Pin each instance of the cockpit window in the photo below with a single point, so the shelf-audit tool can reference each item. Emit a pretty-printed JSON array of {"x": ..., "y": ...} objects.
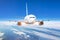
[{"x": 32, "y": 17}]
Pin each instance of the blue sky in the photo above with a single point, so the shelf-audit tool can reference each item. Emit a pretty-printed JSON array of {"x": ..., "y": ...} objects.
[{"x": 43, "y": 9}]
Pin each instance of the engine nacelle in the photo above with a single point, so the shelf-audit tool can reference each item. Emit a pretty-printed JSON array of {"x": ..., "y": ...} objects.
[
  {"x": 19, "y": 23},
  {"x": 41, "y": 23}
]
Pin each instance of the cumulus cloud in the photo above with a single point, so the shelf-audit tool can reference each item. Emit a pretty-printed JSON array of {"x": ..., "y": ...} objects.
[
  {"x": 52, "y": 24},
  {"x": 1, "y": 34},
  {"x": 7, "y": 23},
  {"x": 1, "y": 38},
  {"x": 19, "y": 33},
  {"x": 22, "y": 34},
  {"x": 46, "y": 35}
]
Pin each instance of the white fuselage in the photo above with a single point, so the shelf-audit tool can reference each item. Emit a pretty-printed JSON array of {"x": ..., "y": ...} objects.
[{"x": 30, "y": 18}]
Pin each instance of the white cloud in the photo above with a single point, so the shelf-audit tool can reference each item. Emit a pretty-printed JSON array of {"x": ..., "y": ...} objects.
[
  {"x": 22, "y": 34},
  {"x": 1, "y": 38},
  {"x": 46, "y": 36},
  {"x": 17, "y": 32},
  {"x": 1, "y": 34},
  {"x": 52, "y": 24},
  {"x": 7, "y": 23}
]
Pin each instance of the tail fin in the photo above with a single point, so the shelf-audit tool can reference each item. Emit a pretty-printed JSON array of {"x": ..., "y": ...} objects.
[{"x": 26, "y": 9}]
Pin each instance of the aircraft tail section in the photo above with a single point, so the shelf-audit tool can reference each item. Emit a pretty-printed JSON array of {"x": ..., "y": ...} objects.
[{"x": 26, "y": 9}]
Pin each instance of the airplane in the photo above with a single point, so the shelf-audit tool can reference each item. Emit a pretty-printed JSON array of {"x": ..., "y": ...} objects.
[{"x": 29, "y": 19}]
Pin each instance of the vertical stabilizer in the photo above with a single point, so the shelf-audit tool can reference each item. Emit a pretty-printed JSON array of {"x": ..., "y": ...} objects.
[{"x": 26, "y": 10}]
